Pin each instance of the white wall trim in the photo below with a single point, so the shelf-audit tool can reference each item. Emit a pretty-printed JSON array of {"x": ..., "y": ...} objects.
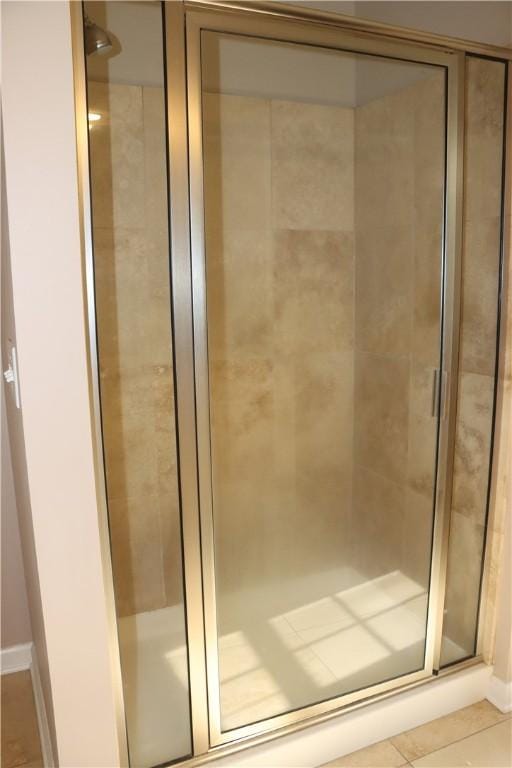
[
  {"x": 16, "y": 658},
  {"x": 500, "y": 694},
  {"x": 19, "y": 658},
  {"x": 324, "y": 742}
]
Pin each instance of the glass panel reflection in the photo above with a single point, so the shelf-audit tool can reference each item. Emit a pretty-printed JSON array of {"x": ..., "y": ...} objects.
[
  {"x": 324, "y": 183},
  {"x": 127, "y": 129}
]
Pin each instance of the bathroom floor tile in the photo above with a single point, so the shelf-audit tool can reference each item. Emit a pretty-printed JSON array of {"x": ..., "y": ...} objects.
[
  {"x": 439, "y": 733},
  {"x": 21, "y": 746},
  {"x": 381, "y": 755},
  {"x": 490, "y": 748}
]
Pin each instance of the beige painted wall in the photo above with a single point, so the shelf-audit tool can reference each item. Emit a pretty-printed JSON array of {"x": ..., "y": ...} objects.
[
  {"x": 21, "y": 491},
  {"x": 56, "y": 497}
]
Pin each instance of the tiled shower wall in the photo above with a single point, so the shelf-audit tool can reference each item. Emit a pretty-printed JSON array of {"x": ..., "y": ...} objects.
[
  {"x": 485, "y": 83},
  {"x": 291, "y": 313},
  {"x": 280, "y": 273},
  {"x": 399, "y": 178},
  {"x": 134, "y": 338},
  {"x": 295, "y": 204}
]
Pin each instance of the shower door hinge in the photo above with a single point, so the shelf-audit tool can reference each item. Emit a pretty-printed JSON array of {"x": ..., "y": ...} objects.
[{"x": 439, "y": 391}]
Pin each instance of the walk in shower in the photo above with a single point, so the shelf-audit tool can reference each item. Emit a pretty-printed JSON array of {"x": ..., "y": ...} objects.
[{"x": 295, "y": 275}]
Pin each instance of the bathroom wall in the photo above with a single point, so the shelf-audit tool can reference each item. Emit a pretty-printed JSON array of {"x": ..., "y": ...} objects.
[
  {"x": 15, "y": 621},
  {"x": 399, "y": 173},
  {"x": 280, "y": 273},
  {"x": 128, "y": 174},
  {"x": 51, "y": 441},
  {"x": 480, "y": 273}
]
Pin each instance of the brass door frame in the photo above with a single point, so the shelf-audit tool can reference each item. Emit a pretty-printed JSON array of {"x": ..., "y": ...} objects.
[{"x": 254, "y": 23}]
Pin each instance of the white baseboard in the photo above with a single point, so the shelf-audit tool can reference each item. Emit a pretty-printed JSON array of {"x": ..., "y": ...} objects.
[
  {"x": 500, "y": 694},
  {"x": 17, "y": 659},
  {"x": 339, "y": 736}
]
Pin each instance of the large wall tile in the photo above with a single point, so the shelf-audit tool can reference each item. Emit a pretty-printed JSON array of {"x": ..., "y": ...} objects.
[
  {"x": 132, "y": 279},
  {"x": 236, "y": 163},
  {"x": 472, "y": 445},
  {"x": 312, "y": 166},
  {"x": 416, "y": 536},
  {"x": 155, "y": 165},
  {"x": 241, "y": 405},
  {"x": 480, "y": 295},
  {"x": 117, "y": 152},
  {"x": 134, "y": 326},
  {"x": 384, "y": 289},
  {"x": 128, "y": 434},
  {"x": 429, "y": 151},
  {"x": 137, "y": 554},
  {"x": 313, "y": 291},
  {"x": 462, "y": 583},
  {"x": 384, "y": 161},
  {"x": 379, "y": 506},
  {"x": 428, "y": 270},
  {"x": 381, "y": 415},
  {"x": 422, "y": 432},
  {"x": 240, "y": 294},
  {"x": 484, "y": 138}
]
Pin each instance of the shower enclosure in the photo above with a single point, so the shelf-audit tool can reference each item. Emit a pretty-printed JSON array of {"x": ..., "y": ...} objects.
[{"x": 294, "y": 317}]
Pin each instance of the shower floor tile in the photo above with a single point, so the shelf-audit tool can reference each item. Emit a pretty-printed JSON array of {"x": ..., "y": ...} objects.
[{"x": 273, "y": 657}]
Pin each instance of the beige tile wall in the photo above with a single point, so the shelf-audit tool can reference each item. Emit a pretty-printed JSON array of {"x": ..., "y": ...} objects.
[
  {"x": 280, "y": 274},
  {"x": 301, "y": 336},
  {"x": 129, "y": 205},
  {"x": 497, "y": 589},
  {"x": 480, "y": 267},
  {"x": 398, "y": 217}
]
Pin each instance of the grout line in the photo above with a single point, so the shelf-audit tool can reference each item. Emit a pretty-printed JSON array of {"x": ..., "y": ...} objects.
[
  {"x": 455, "y": 741},
  {"x": 398, "y": 748}
]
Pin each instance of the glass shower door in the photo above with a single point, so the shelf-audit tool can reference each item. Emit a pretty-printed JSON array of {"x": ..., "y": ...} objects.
[{"x": 318, "y": 258}]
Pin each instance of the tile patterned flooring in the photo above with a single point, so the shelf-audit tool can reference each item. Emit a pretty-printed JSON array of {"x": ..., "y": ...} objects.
[
  {"x": 279, "y": 650},
  {"x": 21, "y": 747},
  {"x": 479, "y": 735}
]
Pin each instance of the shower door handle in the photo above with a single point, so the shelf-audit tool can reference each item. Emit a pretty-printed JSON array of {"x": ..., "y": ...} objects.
[{"x": 439, "y": 387}]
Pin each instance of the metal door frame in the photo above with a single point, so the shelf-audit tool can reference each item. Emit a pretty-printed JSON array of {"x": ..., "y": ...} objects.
[{"x": 255, "y": 23}]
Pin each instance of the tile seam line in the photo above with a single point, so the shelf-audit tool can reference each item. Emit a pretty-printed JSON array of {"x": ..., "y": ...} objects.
[{"x": 455, "y": 741}]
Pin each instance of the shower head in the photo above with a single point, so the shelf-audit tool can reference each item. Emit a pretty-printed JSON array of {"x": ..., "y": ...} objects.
[{"x": 96, "y": 39}]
